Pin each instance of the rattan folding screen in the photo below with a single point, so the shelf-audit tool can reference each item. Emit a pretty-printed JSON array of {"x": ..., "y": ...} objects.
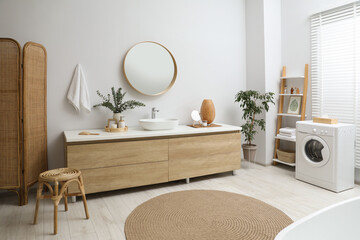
[
  {"x": 23, "y": 131},
  {"x": 10, "y": 131}
]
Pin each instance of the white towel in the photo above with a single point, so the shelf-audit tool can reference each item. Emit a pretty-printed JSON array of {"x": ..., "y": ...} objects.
[
  {"x": 288, "y": 130},
  {"x": 287, "y": 134},
  {"x": 78, "y": 94}
]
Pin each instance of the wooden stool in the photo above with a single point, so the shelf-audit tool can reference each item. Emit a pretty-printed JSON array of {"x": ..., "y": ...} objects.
[{"x": 64, "y": 176}]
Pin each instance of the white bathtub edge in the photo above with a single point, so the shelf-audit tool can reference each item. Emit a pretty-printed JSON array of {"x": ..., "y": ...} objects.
[{"x": 282, "y": 233}]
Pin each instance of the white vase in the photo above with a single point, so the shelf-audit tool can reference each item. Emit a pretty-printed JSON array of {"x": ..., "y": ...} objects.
[{"x": 117, "y": 116}]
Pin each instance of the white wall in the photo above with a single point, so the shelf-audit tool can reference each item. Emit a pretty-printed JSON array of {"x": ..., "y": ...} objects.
[
  {"x": 272, "y": 36},
  {"x": 263, "y": 64},
  {"x": 206, "y": 37},
  {"x": 255, "y": 62}
]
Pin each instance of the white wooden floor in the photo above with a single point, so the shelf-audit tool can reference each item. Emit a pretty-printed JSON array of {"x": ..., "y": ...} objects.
[{"x": 108, "y": 211}]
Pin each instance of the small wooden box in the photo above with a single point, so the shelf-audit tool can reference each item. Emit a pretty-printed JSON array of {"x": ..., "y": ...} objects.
[
  {"x": 325, "y": 120},
  {"x": 107, "y": 129}
]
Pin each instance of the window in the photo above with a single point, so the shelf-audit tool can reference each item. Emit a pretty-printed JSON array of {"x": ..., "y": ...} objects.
[{"x": 335, "y": 66}]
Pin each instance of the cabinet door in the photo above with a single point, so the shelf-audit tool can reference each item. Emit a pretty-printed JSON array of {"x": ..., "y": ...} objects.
[
  {"x": 112, "y": 178},
  {"x": 100, "y": 155},
  {"x": 203, "y": 155}
]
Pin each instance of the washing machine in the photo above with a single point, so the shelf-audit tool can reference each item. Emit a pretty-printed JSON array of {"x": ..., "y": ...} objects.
[{"x": 325, "y": 154}]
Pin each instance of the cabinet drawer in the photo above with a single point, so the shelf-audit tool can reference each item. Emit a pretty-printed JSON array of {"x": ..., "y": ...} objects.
[
  {"x": 97, "y": 155},
  {"x": 197, "y": 156},
  {"x": 106, "y": 179}
]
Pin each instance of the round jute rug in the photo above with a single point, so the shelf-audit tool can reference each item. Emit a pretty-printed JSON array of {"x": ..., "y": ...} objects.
[{"x": 204, "y": 214}]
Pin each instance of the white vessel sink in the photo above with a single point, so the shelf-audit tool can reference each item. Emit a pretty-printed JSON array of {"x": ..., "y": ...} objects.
[{"x": 159, "y": 124}]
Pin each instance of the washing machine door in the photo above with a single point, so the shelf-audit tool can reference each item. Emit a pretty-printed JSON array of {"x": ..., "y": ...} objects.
[{"x": 315, "y": 151}]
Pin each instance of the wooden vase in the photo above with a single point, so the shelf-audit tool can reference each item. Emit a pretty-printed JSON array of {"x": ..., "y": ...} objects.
[{"x": 207, "y": 111}]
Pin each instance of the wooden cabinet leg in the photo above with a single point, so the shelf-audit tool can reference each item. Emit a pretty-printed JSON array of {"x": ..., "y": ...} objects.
[{"x": 187, "y": 180}]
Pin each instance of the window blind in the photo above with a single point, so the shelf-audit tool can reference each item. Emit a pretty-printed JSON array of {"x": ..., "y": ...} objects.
[{"x": 335, "y": 66}]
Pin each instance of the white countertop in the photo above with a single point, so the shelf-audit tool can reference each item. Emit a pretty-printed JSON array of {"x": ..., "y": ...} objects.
[{"x": 139, "y": 132}]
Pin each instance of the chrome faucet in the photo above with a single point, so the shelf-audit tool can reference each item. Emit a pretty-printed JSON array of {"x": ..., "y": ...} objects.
[{"x": 153, "y": 112}]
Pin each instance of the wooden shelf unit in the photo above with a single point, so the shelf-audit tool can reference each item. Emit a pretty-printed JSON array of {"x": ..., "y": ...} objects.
[{"x": 281, "y": 114}]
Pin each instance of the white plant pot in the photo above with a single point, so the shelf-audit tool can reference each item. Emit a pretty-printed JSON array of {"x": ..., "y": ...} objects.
[{"x": 117, "y": 116}]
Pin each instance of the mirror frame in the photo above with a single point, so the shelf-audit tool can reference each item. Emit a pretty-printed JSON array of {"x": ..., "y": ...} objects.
[{"x": 174, "y": 76}]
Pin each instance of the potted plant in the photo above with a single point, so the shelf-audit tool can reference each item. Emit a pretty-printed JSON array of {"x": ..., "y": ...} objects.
[
  {"x": 117, "y": 106},
  {"x": 252, "y": 103}
]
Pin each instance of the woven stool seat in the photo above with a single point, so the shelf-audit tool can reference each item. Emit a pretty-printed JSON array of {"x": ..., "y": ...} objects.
[
  {"x": 59, "y": 174},
  {"x": 62, "y": 177}
]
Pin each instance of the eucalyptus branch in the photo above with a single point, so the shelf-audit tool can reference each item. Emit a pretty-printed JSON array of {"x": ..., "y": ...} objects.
[
  {"x": 118, "y": 106},
  {"x": 114, "y": 96},
  {"x": 102, "y": 96}
]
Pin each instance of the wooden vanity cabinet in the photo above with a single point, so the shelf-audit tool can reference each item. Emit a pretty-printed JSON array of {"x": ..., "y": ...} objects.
[{"x": 118, "y": 164}]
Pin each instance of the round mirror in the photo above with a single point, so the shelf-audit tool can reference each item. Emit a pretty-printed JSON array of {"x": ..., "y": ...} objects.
[{"x": 150, "y": 68}]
